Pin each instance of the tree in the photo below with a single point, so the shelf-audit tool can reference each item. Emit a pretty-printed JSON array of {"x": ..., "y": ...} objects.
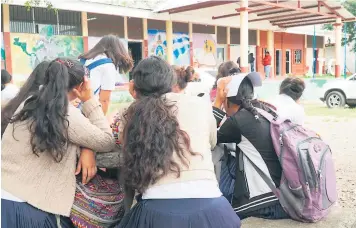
[
  {"x": 348, "y": 27},
  {"x": 35, "y": 3}
]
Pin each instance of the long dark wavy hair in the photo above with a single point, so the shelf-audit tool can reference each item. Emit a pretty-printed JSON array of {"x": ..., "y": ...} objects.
[
  {"x": 152, "y": 133},
  {"x": 30, "y": 87},
  {"x": 112, "y": 47},
  {"x": 46, "y": 111}
]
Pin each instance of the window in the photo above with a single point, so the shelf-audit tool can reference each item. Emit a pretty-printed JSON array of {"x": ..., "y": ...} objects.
[
  {"x": 23, "y": 20},
  {"x": 297, "y": 56}
]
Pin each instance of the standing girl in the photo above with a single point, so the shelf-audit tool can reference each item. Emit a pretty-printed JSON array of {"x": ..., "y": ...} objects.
[{"x": 105, "y": 61}]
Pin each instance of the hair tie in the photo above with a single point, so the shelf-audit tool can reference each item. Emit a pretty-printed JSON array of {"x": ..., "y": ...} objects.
[
  {"x": 66, "y": 62},
  {"x": 257, "y": 117}
]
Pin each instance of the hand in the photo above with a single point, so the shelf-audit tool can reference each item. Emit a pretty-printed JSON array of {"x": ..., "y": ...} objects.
[
  {"x": 75, "y": 102},
  {"x": 86, "y": 165},
  {"x": 85, "y": 92},
  {"x": 222, "y": 91}
]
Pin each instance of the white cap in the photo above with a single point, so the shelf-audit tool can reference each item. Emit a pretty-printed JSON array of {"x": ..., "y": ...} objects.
[{"x": 234, "y": 84}]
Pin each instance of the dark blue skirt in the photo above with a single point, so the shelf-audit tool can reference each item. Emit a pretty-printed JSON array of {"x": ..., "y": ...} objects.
[
  {"x": 23, "y": 215},
  {"x": 181, "y": 213}
]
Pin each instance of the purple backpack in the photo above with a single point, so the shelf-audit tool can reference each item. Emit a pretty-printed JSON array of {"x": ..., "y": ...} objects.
[{"x": 308, "y": 185}]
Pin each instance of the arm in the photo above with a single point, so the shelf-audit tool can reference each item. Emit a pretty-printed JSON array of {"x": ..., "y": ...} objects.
[
  {"x": 104, "y": 98},
  {"x": 92, "y": 130},
  {"x": 229, "y": 132},
  {"x": 213, "y": 133}
]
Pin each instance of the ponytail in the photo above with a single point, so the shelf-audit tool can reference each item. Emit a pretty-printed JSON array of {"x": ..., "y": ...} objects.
[{"x": 48, "y": 107}]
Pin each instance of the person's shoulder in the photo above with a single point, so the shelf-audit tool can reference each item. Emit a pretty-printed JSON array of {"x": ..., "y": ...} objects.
[
  {"x": 187, "y": 100},
  {"x": 98, "y": 57}
]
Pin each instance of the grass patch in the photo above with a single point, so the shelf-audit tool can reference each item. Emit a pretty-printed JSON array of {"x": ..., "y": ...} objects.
[
  {"x": 323, "y": 110},
  {"x": 114, "y": 107}
]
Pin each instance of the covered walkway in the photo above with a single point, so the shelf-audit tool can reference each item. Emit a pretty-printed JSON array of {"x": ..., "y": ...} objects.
[{"x": 273, "y": 15}]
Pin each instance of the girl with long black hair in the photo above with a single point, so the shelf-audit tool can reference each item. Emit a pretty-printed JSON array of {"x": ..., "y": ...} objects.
[
  {"x": 41, "y": 143},
  {"x": 106, "y": 73},
  {"x": 167, "y": 140}
]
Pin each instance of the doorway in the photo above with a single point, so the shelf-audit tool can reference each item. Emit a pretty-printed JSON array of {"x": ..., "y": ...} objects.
[
  {"x": 288, "y": 62},
  {"x": 135, "y": 50},
  {"x": 278, "y": 62}
]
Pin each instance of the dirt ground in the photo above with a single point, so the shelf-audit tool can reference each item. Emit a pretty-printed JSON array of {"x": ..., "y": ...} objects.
[{"x": 340, "y": 133}]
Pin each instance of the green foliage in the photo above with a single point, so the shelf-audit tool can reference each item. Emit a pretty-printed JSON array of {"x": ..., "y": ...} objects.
[
  {"x": 36, "y": 3},
  {"x": 348, "y": 27}
]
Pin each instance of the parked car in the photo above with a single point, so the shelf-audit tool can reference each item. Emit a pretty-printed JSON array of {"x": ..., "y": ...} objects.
[{"x": 337, "y": 93}]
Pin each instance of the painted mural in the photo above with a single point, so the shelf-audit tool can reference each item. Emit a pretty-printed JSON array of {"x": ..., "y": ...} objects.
[
  {"x": 28, "y": 50},
  {"x": 204, "y": 49},
  {"x": 157, "y": 45},
  {"x": 3, "y": 56}
]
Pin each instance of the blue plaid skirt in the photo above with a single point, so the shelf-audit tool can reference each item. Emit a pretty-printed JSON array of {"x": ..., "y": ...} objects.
[
  {"x": 181, "y": 213},
  {"x": 23, "y": 215}
]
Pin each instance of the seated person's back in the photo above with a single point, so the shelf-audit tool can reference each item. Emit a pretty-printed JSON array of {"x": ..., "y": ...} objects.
[
  {"x": 251, "y": 133},
  {"x": 290, "y": 92}
]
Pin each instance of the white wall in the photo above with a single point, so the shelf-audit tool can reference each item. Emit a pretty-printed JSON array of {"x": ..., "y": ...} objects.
[{"x": 350, "y": 59}]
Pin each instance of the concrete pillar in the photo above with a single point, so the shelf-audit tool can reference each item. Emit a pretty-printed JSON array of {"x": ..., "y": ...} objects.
[
  {"x": 6, "y": 37},
  {"x": 305, "y": 56},
  {"x": 6, "y": 17},
  {"x": 258, "y": 56},
  {"x": 338, "y": 36},
  {"x": 126, "y": 34},
  {"x": 169, "y": 39},
  {"x": 145, "y": 37},
  {"x": 228, "y": 54},
  {"x": 191, "y": 52},
  {"x": 244, "y": 35},
  {"x": 270, "y": 48},
  {"x": 85, "y": 31}
]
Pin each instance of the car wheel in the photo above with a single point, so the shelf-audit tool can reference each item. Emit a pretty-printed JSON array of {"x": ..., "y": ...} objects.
[{"x": 335, "y": 99}]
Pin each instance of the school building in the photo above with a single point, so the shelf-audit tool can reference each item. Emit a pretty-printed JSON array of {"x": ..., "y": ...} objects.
[{"x": 186, "y": 32}]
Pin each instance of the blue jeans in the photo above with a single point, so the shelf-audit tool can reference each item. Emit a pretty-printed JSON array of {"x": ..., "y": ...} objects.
[{"x": 267, "y": 71}]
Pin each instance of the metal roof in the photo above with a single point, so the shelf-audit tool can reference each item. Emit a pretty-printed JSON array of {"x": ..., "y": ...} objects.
[{"x": 282, "y": 13}]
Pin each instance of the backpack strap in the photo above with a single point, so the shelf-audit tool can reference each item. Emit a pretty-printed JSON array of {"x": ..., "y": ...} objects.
[
  {"x": 272, "y": 119},
  {"x": 98, "y": 63}
]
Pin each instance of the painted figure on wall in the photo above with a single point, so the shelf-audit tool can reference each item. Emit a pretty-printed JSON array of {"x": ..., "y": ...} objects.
[
  {"x": 205, "y": 50},
  {"x": 3, "y": 56},
  {"x": 157, "y": 45},
  {"x": 28, "y": 50}
]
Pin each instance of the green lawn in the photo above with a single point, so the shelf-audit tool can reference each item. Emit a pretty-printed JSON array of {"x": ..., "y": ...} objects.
[
  {"x": 310, "y": 110},
  {"x": 323, "y": 110},
  {"x": 114, "y": 107}
]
